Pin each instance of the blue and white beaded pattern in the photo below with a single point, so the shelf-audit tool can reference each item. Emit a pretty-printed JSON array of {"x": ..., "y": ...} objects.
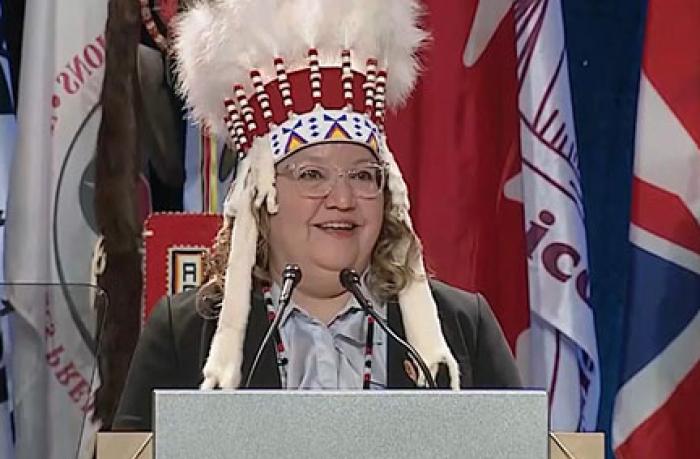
[{"x": 322, "y": 126}]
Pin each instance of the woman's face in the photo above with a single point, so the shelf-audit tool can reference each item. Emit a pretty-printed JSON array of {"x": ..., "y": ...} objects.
[{"x": 323, "y": 235}]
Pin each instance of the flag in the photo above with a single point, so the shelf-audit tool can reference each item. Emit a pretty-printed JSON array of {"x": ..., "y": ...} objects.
[
  {"x": 209, "y": 171},
  {"x": 488, "y": 149},
  {"x": 457, "y": 144},
  {"x": 657, "y": 404},
  {"x": 50, "y": 226},
  {"x": 560, "y": 353},
  {"x": 7, "y": 147}
]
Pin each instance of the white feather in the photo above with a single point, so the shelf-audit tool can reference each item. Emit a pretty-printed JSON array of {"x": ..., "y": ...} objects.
[
  {"x": 263, "y": 166},
  {"x": 400, "y": 39},
  {"x": 217, "y": 43},
  {"x": 236, "y": 193}
]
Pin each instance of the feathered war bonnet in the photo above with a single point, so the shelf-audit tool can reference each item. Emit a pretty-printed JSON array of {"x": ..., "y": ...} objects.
[{"x": 275, "y": 76}]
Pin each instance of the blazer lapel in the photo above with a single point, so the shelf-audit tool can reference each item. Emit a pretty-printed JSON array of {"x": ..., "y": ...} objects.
[
  {"x": 208, "y": 330},
  {"x": 266, "y": 374},
  {"x": 397, "y": 357},
  {"x": 397, "y": 378}
]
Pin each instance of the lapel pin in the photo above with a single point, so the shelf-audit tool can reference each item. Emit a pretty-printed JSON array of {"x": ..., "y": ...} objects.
[{"x": 410, "y": 370}]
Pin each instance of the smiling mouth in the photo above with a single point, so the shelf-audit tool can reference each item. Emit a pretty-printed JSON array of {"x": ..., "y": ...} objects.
[{"x": 337, "y": 226}]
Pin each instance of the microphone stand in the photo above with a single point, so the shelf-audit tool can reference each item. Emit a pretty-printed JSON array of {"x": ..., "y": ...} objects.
[
  {"x": 351, "y": 281},
  {"x": 290, "y": 279}
]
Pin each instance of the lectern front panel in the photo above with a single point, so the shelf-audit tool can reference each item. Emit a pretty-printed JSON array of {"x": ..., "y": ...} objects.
[{"x": 325, "y": 424}]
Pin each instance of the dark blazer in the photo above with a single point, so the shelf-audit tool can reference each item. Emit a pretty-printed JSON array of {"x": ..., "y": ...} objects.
[{"x": 175, "y": 343}]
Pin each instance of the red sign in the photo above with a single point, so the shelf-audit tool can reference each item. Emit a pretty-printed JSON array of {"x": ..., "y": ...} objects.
[{"x": 174, "y": 244}]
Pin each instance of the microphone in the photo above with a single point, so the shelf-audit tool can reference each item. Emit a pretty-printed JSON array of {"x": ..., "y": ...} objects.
[
  {"x": 291, "y": 276},
  {"x": 351, "y": 281}
]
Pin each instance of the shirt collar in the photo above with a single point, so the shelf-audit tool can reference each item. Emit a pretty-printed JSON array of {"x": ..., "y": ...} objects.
[{"x": 352, "y": 303}]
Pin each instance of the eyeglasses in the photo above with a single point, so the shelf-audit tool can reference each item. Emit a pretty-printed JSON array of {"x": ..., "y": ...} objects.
[{"x": 366, "y": 180}]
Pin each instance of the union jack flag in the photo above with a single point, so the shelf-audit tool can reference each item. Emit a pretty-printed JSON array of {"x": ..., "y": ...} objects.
[{"x": 657, "y": 407}]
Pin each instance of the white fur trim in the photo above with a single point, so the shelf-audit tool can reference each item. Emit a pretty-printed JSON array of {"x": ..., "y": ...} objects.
[
  {"x": 263, "y": 166},
  {"x": 422, "y": 325},
  {"x": 223, "y": 367},
  {"x": 236, "y": 191},
  {"x": 254, "y": 185},
  {"x": 257, "y": 171}
]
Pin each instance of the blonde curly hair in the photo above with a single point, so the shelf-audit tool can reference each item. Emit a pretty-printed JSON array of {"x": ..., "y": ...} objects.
[{"x": 390, "y": 270}]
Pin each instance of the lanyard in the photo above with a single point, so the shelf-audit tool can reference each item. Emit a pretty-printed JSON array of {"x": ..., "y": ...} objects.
[{"x": 283, "y": 361}]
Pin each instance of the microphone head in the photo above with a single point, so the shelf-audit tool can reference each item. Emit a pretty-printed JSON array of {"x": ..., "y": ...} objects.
[
  {"x": 292, "y": 271},
  {"x": 349, "y": 278}
]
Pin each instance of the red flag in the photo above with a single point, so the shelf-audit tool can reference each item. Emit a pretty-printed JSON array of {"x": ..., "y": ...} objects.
[{"x": 457, "y": 142}]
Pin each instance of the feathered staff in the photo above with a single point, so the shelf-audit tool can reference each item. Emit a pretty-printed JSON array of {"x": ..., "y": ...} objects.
[
  {"x": 118, "y": 169},
  {"x": 141, "y": 121}
]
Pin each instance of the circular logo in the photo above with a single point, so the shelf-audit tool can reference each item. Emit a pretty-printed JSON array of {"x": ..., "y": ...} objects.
[{"x": 74, "y": 227}]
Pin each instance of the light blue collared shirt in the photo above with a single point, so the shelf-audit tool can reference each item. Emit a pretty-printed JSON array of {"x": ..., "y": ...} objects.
[{"x": 331, "y": 356}]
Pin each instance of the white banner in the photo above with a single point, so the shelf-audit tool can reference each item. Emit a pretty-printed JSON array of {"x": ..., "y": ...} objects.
[
  {"x": 50, "y": 229},
  {"x": 560, "y": 351}
]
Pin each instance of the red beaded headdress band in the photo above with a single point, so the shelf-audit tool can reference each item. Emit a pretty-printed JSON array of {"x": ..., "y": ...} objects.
[{"x": 285, "y": 107}]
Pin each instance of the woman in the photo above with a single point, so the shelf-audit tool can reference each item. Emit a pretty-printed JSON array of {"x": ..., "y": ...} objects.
[{"x": 317, "y": 186}]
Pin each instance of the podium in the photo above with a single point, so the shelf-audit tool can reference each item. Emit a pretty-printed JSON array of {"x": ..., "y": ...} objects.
[{"x": 221, "y": 424}]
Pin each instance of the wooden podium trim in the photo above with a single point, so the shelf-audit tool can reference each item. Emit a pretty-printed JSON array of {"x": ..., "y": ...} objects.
[{"x": 139, "y": 445}]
